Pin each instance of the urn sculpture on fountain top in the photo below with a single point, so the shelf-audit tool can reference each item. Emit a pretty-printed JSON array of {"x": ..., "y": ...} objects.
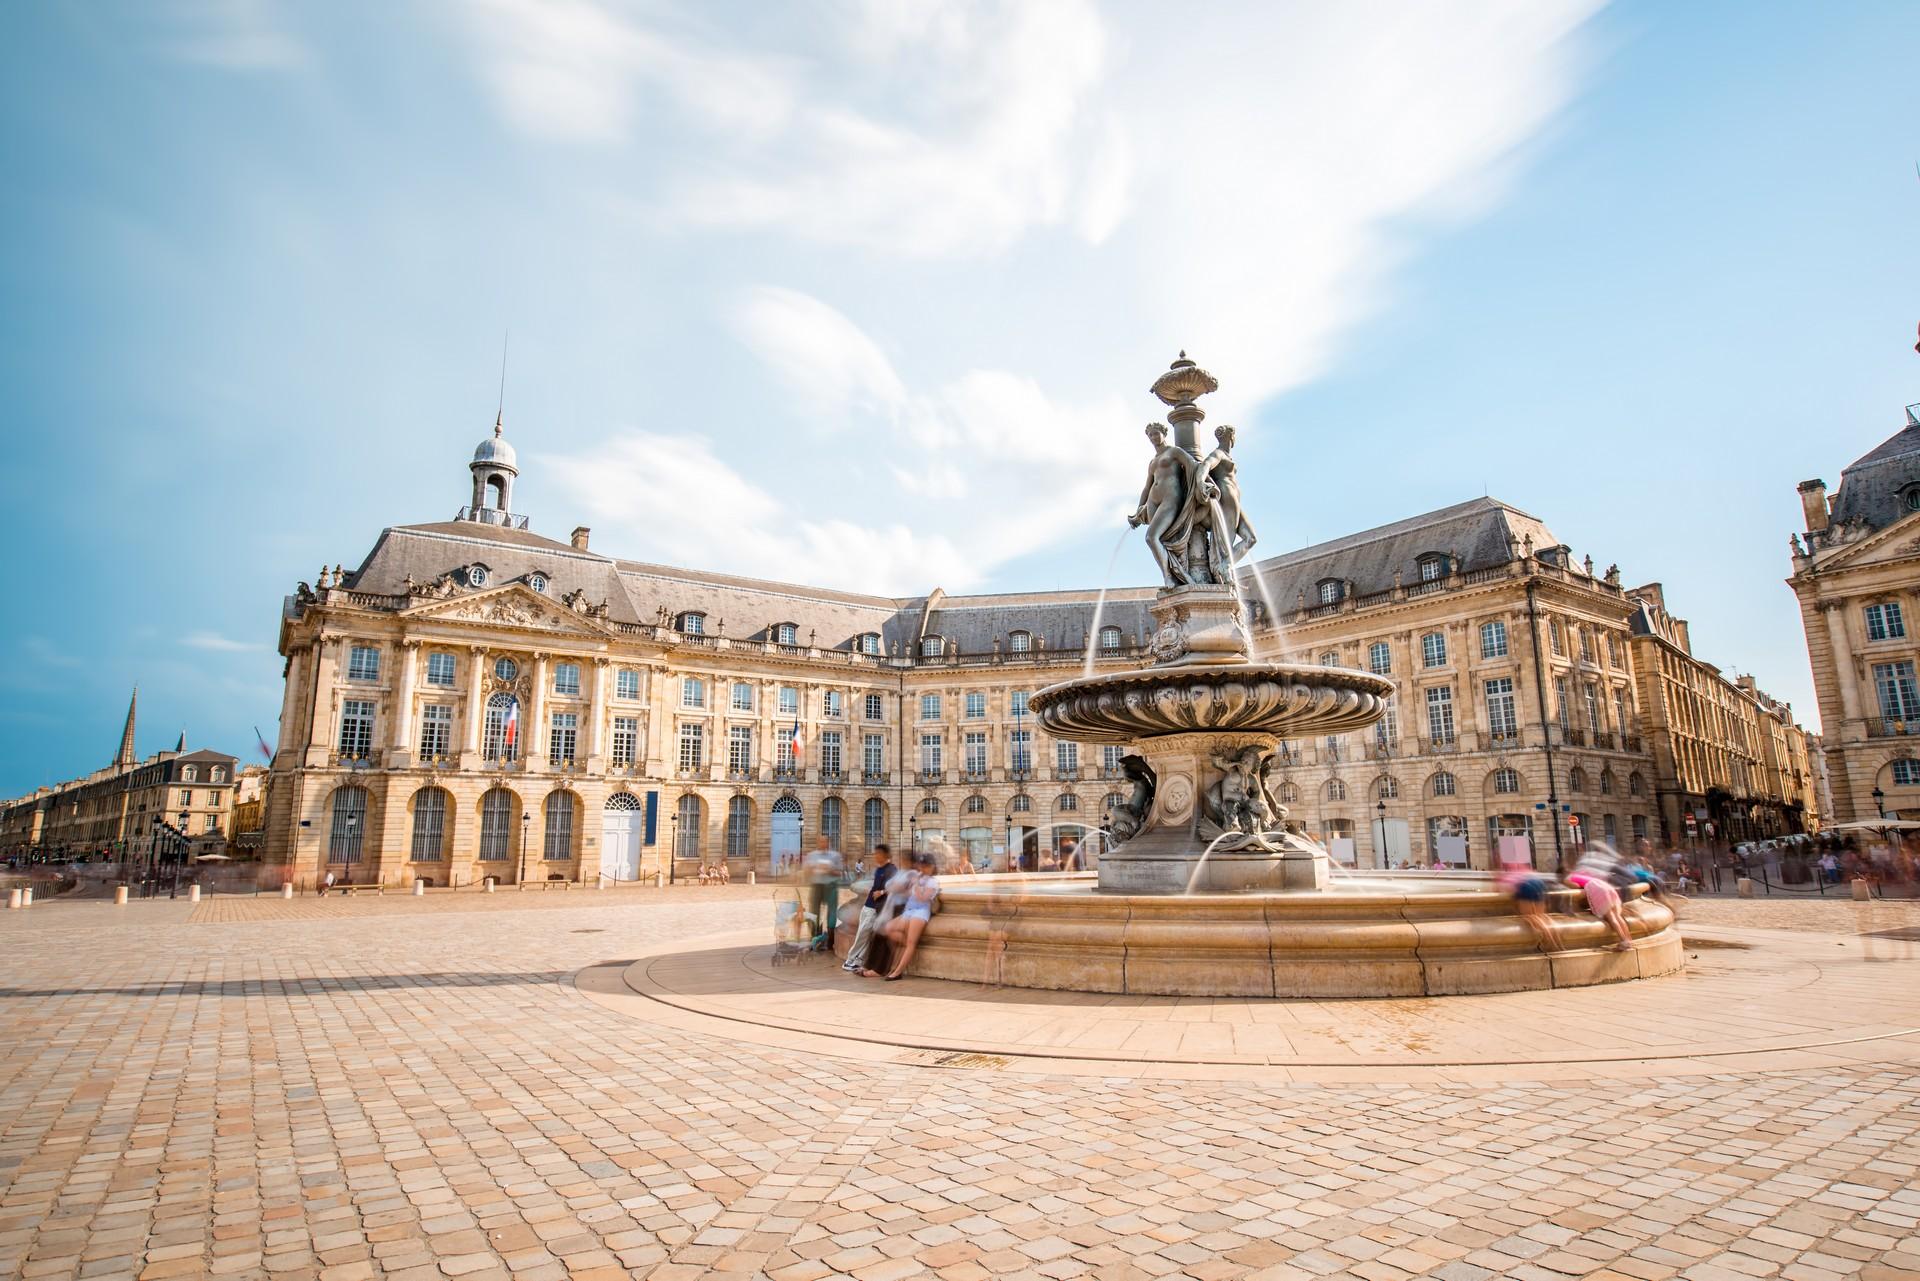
[{"x": 1204, "y": 719}]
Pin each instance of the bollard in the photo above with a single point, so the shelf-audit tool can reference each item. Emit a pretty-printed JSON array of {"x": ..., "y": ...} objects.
[
  {"x": 13, "y": 900},
  {"x": 286, "y": 890},
  {"x": 489, "y": 885},
  {"x": 26, "y": 897},
  {"x": 659, "y": 879},
  {"x": 753, "y": 877},
  {"x": 419, "y": 889},
  {"x": 1744, "y": 887},
  {"x": 193, "y": 893},
  {"x": 119, "y": 896},
  {"x": 1861, "y": 890}
]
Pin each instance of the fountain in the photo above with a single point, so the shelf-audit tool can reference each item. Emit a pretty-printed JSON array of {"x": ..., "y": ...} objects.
[{"x": 1208, "y": 886}]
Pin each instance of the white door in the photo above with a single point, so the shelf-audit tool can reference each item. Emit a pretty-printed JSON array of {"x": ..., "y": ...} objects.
[
  {"x": 786, "y": 835},
  {"x": 1399, "y": 843},
  {"x": 621, "y": 830}
]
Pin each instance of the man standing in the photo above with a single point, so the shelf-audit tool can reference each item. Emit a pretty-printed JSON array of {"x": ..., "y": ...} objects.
[
  {"x": 883, "y": 870},
  {"x": 822, "y": 871}
]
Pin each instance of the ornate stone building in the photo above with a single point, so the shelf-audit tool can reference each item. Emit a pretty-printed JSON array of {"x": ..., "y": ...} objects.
[
  {"x": 112, "y": 810},
  {"x": 476, "y": 700},
  {"x": 1858, "y": 580}
]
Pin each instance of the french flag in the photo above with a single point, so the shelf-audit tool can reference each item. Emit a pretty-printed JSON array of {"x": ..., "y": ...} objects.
[
  {"x": 513, "y": 723},
  {"x": 799, "y": 743}
]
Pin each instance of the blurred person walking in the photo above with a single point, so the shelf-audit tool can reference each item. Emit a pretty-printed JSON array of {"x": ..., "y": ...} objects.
[{"x": 883, "y": 871}]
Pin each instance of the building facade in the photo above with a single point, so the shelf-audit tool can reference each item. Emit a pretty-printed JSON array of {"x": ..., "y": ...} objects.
[
  {"x": 477, "y": 700},
  {"x": 1857, "y": 579}
]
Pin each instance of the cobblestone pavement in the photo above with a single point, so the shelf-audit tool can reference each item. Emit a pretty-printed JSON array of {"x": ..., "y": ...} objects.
[{"x": 360, "y": 1095}]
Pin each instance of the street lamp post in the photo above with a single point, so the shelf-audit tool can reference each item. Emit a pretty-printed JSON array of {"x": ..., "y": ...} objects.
[
  {"x": 179, "y": 858},
  {"x": 1381, "y": 847},
  {"x": 526, "y": 821},
  {"x": 673, "y": 849},
  {"x": 913, "y": 833},
  {"x": 150, "y": 868},
  {"x": 1879, "y": 802}
]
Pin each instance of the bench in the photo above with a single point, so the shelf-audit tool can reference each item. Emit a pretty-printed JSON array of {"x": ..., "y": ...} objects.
[{"x": 348, "y": 887}]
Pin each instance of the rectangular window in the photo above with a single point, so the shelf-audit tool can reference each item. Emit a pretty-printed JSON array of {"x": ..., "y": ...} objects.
[
  {"x": 1386, "y": 730},
  {"x": 436, "y": 731},
  {"x": 1613, "y": 650},
  {"x": 1593, "y": 707},
  {"x": 975, "y": 760},
  {"x": 626, "y": 740},
  {"x": 693, "y": 747},
  {"x": 929, "y": 707},
  {"x": 1440, "y": 714},
  {"x": 873, "y": 753},
  {"x": 1110, "y": 754},
  {"x": 1560, "y": 700},
  {"x": 740, "y": 749},
  {"x": 784, "y": 758},
  {"x": 1884, "y": 622},
  {"x": 1493, "y": 639},
  {"x": 439, "y": 669},
  {"x": 830, "y": 762},
  {"x": 1620, "y": 710},
  {"x": 363, "y": 663},
  {"x": 976, "y": 706},
  {"x": 693, "y": 692},
  {"x": 1020, "y": 749},
  {"x": 1906, "y": 772},
  {"x": 563, "y": 738},
  {"x": 1066, "y": 755},
  {"x": 559, "y": 844},
  {"x": 830, "y": 704},
  {"x": 1379, "y": 659},
  {"x": 788, "y": 701},
  {"x": 626, "y": 683},
  {"x": 566, "y": 678},
  {"x": 356, "y": 730},
  {"x": 494, "y": 742},
  {"x": 1639, "y": 822},
  {"x": 1433, "y": 649},
  {"x": 1553, "y": 634},
  {"x": 1586, "y": 645},
  {"x": 873, "y": 709},
  {"x": 429, "y": 824},
  {"x": 1017, "y": 702},
  {"x": 1899, "y": 699},
  {"x": 931, "y": 751},
  {"x": 1502, "y": 722}
]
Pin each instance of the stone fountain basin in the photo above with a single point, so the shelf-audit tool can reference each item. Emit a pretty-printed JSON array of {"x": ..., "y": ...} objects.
[
  {"x": 1391, "y": 934},
  {"x": 1288, "y": 700}
]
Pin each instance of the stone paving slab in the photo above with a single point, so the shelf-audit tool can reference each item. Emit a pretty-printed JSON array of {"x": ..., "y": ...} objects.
[{"x": 429, "y": 1095}]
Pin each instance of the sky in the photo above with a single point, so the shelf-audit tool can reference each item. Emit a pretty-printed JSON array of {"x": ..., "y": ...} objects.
[{"x": 869, "y": 295}]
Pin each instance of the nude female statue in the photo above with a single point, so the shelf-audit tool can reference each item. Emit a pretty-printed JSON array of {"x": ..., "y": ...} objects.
[
  {"x": 1220, "y": 468},
  {"x": 1165, "y": 508}
]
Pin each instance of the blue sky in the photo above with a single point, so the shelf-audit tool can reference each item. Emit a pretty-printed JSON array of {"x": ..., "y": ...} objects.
[{"x": 881, "y": 286}]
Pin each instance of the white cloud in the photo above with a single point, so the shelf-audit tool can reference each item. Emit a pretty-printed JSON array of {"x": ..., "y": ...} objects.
[
  {"x": 820, "y": 354},
  {"x": 217, "y": 643},
  {"x": 233, "y": 35}
]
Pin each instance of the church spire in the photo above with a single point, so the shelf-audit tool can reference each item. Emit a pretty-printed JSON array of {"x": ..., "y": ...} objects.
[
  {"x": 125, "y": 756},
  {"x": 181, "y": 746}
]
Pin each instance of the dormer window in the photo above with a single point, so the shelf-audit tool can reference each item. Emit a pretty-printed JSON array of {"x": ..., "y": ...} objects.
[
  {"x": 1019, "y": 642},
  {"x": 1109, "y": 640},
  {"x": 476, "y": 575},
  {"x": 786, "y": 634},
  {"x": 189, "y": 774},
  {"x": 868, "y": 642},
  {"x": 932, "y": 646},
  {"x": 1329, "y": 591},
  {"x": 691, "y": 624},
  {"x": 1433, "y": 567},
  {"x": 537, "y": 581},
  {"x": 1910, "y": 498}
]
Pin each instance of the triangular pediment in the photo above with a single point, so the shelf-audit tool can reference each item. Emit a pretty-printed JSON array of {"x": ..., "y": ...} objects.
[
  {"x": 1898, "y": 541},
  {"x": 513, "y": 606}
]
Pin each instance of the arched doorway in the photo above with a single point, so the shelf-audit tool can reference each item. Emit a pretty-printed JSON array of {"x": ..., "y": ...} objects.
[
  {"x": 785, "y": 847},
  {"x": 621, "y": 826}
]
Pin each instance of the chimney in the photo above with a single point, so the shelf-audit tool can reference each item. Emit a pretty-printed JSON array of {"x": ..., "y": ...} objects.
[
  {"x": 1813, "y": 500},
  {"x": 580, "y": 533}
]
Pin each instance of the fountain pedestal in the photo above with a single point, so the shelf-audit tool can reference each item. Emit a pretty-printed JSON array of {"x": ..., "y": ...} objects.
[{"x": 1199, "y": 623}]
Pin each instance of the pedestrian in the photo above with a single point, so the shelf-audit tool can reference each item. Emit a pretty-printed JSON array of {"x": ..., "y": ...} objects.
[
  {"x": 822, "y": 871},
  {"x": 883, "y": 871},
  {"x": 326, "y": 884},
  {"x": 904, "y": 931}
]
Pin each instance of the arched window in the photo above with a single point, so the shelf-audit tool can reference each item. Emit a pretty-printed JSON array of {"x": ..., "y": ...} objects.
[
  {"x": 188, "y": 774},
  {"x": 1433, "y": 649},
  {"x": 496, "y": 824},
  {"x": 347, "y": 825},
  {"x": 216, "y": 775},
  {"x": 1606, "y": 782},
  {"x": 1336, "y": 790},
  {"x": 429, "y": 825},
  {"x": 691, "y": 624},
  {"x": 688, "y": 837},
  {"x": 1066, "y": 801},
  {"x": 560, "y": 811},
  {"x": 537, "y": 581},
  {"x": 1387, "y": 789},
  {"x": 1021, "y": 804},
  {"x": 476, "y": 575},
  {"x": 1493, "y": 639},
  {"x": 1110, "y": 640},
  {"x": 1506, "y": 781},
  {"x": 1443, "y": 784},
  {"x": 931, "y": 805},
  {"x": 831, "y": 813},
  {"x": 1906, "y": 772},
  {"x": 1328, "y": 591},
  {"x": 623, "y": 802},
  {"x": 1432, "y": 566},
  {"x": 1576, "y": 779},
  {"x": 975, "y": 805},
  {"x": 876, "y": 821},
  {"x": 1019, "y": 642},
  {"x": 739, "y": 826},
  {"x": 1635, "y": 784},
  {"x": 1379, "y": 658},
  {"x": 502, "y": 740},
  {"x": 932, "y": 646}
]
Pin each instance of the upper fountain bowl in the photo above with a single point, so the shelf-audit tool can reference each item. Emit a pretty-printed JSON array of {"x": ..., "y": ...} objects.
[{"x": 1287, "y": 700}]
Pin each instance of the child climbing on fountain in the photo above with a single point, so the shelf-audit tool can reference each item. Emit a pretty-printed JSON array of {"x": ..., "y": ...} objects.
[{"x": 1592, "y": 875}]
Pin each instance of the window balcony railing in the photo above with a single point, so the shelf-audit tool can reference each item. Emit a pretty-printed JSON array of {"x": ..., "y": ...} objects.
[
  {"x": 354, "y": 760},
  {"x": 932, "y": 777},
  {"x": 1576, "y": 738},
  {"x": 1504, "y": 738},
  {"x": 833, "y": 776},
  {"x": 624, "y": 769},
  {"x": 1603, "y": 741},
  {"x": 1439, "y": 746},
  {"x": 1884, "y": 728},
  {"x": 491, "y": 516},
  {"x": 786, "y": 773},
  {"x": 1069, "y": 775},
  {"x": 1112, "y": 772},
  {"x": 875, "y": 777},
  {"x": 973, "y": 775},
  {"x": 1632, "y": 742},
  {"x": 1021, "y": 774},
  {"x": 740, "y": 773},
  {"x": 1384, "y": 749},
  {"x": 564, "y": 764},
  {"x": 691, "y": 771}
]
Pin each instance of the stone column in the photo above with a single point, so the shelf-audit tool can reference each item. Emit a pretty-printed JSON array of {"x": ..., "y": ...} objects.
[
  {"x": 476, "y": 706},
  {"x": 535, "y": 754},
  {"x": 402, "y": 754},
  {"x": 299, "y": 663},
  {"x": 597, "y": 717},
  {"x": 1852, "y": 706},
  {"x": 326, "y": 652}
]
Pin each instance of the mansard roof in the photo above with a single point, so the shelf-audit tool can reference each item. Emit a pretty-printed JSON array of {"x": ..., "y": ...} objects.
[
  {"x": 750, "y": 607},
  {"x": 1059, "y": 620},
  {"x": 1476, "y": 534},
  {"x": 1871, "y": 486},
  {"x": 423, "y": 553}
]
